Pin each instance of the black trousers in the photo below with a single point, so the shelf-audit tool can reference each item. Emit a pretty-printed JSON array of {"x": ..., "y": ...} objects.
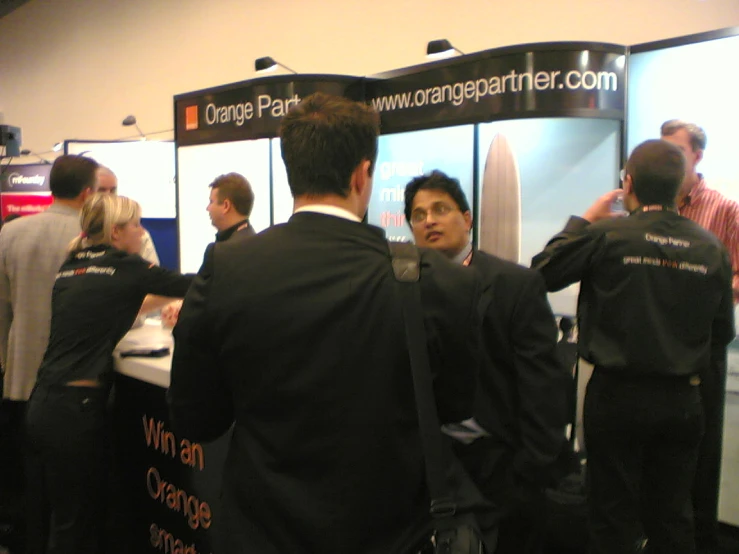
[
  {"x": 67, "y": 466},
  {"x": 521, "y": 520},
  {"x": 522, "y": 528},
  {"x": 12, "y": 480},
  {"x": 708, "y": 472},
  {"x": 643, "y": 435}
]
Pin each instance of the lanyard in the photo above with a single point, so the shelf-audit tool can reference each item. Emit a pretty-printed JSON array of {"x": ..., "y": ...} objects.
[
  {"x": 468, "y": 259},
  {"x": 655, "y": 208}
]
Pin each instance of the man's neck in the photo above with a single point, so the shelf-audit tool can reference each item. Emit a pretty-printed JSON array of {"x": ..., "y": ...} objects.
[
  {"x": 461, "y": 255},
  {"x": 72, "y": 203},
  {"x": 334, "y": 200},
  {"x": 688, "y": 185},
  {"x": 231, "y": 222}
]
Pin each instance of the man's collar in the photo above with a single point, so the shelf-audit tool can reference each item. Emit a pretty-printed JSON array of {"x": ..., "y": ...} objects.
[
  {"x": 462, "y": 255},
  {"x": 227, "y": 233},
  {"x": 694, "y": 192},
  {"x": 59, "y": 208},
  {"x": 329, "y": 210}
]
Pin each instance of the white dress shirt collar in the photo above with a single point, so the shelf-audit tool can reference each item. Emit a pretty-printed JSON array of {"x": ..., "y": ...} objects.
[{"x": 329, "y": 210}]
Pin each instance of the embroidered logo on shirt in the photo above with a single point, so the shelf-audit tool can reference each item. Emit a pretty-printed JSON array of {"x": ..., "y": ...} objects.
[
  {"x": 91, "y": 270},
  {"x": 87, "y": 254}
]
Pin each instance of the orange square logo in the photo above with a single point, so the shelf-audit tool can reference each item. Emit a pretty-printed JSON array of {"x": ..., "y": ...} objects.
[{"x": 191, "y": 118}]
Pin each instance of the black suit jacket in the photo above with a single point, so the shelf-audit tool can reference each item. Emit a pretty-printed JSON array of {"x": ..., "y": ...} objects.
[
  {"x": 296, "y": 337},
  {"x": 522, "y": 398}
]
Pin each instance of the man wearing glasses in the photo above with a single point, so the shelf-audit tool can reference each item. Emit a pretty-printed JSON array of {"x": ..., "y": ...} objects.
[{"x": 518, "y": 427}]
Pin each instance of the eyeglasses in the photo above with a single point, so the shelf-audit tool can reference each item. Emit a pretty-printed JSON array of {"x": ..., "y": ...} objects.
[{"x": 439, "y": 209}]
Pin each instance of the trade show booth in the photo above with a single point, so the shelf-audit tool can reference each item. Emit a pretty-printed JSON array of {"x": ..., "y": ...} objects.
[
  {"x": 489, "y": 119},
  {"x": 534, "y": 133}
]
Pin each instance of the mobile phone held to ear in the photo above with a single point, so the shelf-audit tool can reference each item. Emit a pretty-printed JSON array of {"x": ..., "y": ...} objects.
[{"x": 617, "y": 206}]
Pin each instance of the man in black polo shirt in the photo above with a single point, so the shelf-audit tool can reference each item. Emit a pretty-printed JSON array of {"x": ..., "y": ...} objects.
[
  {"x": 229, "y": 207},
  {"x": 655, "y": 316}
]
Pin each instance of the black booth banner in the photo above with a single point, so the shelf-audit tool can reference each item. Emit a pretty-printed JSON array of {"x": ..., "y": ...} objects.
[
  {"x": 536, "y": 81},
  {"x": 168, "y": 485},
  {"x": 25, "y": 178},
  {"x": 252, "y": 109}
]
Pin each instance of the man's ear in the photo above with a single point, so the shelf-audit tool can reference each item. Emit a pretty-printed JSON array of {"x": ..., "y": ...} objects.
[
  {"x": 361, "y": 178},
  {"x": 468, "y": 219},
  {"x": 631, "y": 202},
  {"x": 628, "y": 185},
  {"x": 698, "y": 156},
  {"x": 227, "y": 206}
]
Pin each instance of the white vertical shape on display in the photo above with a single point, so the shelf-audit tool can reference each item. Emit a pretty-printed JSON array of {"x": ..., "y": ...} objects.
[{"x": 500, "y": 202}]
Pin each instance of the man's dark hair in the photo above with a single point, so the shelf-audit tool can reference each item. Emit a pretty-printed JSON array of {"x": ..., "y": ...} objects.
[
  {"x": 657, "y": 170},
  {"x": 436, "y": 180},
  {"x": 71, "y": 174},
  {"x": 565, "y": 325},
  {"x": 323, "y": 140},
  {"x": 235, "y": 188}
]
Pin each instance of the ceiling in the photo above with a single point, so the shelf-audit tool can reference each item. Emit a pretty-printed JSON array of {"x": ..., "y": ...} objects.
[{"x": 7, "y": 6}]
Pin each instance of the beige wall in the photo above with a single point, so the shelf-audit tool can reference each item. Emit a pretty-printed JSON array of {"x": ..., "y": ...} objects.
[{"x": 74, "y": 68}]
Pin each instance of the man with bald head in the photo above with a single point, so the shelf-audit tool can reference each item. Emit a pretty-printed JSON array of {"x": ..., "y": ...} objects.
[{"x": 107, "y": 183}]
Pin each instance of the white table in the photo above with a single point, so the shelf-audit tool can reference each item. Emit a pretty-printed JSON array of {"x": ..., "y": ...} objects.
[{"x": 150, "y": 370}]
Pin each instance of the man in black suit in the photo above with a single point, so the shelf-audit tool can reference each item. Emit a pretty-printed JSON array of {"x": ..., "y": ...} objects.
[
  {"x": 229, "y": 206},
  {"x": 520, "y": 414},
  {"x": 296, "y": 338}
]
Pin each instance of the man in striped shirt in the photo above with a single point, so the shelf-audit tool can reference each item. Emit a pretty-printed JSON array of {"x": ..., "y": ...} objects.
[
  {"x": 720, "y": 215},
  {"x": 707, "y": 207}
]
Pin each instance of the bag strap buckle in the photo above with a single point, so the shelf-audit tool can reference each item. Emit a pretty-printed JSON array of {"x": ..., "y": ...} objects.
[
  {"x": 443, "y": 507},
  {"x": 406, "y": 261}
]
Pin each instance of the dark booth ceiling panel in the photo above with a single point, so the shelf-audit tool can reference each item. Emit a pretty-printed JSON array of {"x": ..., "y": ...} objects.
[{"x": 7, "y": 6}]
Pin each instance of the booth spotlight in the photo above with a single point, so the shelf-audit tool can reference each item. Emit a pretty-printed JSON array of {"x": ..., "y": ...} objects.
[
  {"x": 441, "y": 48},
  {"x": 57, "y": 147},
  {"x": 269, "y": 64},
  {"x": 25, "y": 152},
  {"x": 131, "y": 120}
]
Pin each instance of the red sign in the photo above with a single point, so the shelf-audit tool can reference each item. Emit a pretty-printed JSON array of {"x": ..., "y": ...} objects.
[{"x": 24, "y": 204}]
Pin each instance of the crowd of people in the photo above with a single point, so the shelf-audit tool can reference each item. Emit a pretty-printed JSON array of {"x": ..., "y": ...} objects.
[{"x": 295, "y": 338}]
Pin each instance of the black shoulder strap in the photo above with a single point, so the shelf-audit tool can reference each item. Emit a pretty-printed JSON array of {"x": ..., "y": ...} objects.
[{"x": 406, "y": 262}]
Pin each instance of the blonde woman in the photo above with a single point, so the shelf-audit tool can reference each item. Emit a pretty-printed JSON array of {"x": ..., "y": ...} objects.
[{"x": 97, "y": 294}]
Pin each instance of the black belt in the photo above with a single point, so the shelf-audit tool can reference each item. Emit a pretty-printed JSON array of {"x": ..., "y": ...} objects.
[
  {"x": 693, "y": 379},
  {"x": 44, "y": 392}
]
